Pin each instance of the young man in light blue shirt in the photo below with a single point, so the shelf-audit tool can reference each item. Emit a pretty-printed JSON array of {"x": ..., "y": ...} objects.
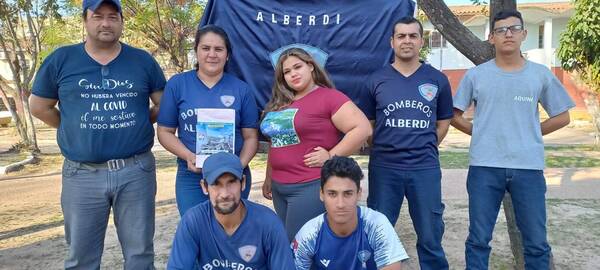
[{"x": 507, "y": 149}]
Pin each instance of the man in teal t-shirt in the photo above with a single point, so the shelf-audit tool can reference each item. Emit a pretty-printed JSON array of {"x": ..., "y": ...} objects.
[{"x": 104, "y": 121}]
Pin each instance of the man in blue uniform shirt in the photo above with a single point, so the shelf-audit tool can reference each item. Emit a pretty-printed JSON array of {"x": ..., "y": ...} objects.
[
  {"x": 227, "y": 232},
  {"x": 346, "y": 236},
  {"x": 103, "y": 87},
  {"x": 410, "y": 104}
]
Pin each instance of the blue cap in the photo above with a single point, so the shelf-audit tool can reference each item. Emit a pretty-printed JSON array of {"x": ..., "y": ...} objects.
[
  {"x": 94, "y": 4},
  {"x": 218, "y": 164}
]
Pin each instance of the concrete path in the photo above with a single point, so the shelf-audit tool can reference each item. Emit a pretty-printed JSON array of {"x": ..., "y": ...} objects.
[
  {"x": 563, "y": 183},
  {"x": 567, "y": 183}
]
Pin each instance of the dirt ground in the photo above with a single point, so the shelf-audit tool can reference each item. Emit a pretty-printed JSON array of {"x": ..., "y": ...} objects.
[
  {"x": 32, "y": 232},
  {"x": 32, "y": 237}
]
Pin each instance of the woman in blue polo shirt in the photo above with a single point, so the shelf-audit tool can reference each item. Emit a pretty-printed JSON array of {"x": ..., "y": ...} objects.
[{"x": 206, "y": 86}]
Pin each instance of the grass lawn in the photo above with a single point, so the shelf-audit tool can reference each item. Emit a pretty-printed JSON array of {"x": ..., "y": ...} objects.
[
  {"x": 460, "y": 160},
  {"x": 581, "y": 156}
]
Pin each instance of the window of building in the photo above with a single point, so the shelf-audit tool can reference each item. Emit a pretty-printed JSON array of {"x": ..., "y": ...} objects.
[
  {"x": 426, "y": 36},
  {"x": 541, "y": 36},
  {"x": 437, "y": 40},
  {"x": 433, "y": 39}
]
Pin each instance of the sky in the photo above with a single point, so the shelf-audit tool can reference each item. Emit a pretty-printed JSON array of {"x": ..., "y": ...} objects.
[{"x": 469, "y": 2}]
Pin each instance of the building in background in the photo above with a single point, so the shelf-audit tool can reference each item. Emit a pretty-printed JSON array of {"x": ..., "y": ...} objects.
[{"x": 544, "y": 23}]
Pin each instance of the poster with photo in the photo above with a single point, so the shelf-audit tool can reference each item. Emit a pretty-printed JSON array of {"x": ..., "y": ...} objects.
[{"x": 215, "y": 132}]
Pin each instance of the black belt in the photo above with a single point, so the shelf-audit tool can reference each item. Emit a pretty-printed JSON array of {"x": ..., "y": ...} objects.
[{"x": 114, "y": 164}]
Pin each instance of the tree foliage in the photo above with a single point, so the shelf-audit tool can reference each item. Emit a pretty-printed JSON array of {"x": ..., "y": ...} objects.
[
  {"x": 22, "y": 26},
  {"x": 165, "y": 27},
  {"x": 580, "y": 44}
]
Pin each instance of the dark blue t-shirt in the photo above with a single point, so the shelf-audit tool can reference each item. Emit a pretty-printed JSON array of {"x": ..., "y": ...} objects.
[
  {"x": 104, "y": 110},
  {"x": 405, "y": 110},
  {"x": 259, "y": 243},
  {"x": 185, "y": 93}
]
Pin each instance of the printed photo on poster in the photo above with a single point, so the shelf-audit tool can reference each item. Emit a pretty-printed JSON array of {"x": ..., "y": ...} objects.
[{"x": 215, "y": 132}]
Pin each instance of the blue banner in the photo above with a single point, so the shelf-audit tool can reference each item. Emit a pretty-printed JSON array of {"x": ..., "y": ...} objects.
[{"x": 350, "y": 37}]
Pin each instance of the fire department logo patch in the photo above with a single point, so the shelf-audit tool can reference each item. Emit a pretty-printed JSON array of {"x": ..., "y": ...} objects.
[
  {"x": 247, "y": 252},
  {"x": 227, "y": 100},
  {"x": 428, "y": 91}
]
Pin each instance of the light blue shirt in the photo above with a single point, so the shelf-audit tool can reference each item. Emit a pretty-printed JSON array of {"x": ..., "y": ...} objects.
[{"x": 506, "y": 124}]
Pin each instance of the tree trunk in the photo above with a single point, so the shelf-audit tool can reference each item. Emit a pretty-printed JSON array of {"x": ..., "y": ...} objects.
[
  {"x": 456, "y": 33},
  {"x": 499, "y": 5},
  {"x": 516, "y": 243},
  {"x": 21, "y": 129},
  {"x": 32, "y": 146},
  {"x": 26, "y": 139},
  {"x": 591, "y": 103}
]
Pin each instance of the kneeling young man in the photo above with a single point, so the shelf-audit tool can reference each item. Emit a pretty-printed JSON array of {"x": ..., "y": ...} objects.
[
  {"x": 346, "y": 236},
  {"x": 227, "y": 232}
]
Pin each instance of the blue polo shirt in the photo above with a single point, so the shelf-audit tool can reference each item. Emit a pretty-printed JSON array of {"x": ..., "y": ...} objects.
[
  {"x": 405, "y": 110},
  {"x": 185, "y": 93},
  {"x": 259, "y": 243},
  {"x": 104, "y": 109}
]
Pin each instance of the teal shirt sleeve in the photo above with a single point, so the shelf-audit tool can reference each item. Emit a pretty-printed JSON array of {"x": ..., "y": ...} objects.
[
  {"x": 554, "y": 98},
  {"x": 45, "y": 83},
  {"x": 464, "y": 94}
]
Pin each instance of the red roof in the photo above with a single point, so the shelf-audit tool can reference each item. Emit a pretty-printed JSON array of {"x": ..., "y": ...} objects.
[{"x": 471, "y": 10}]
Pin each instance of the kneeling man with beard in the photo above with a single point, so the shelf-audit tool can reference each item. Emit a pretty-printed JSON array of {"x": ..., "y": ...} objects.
[{"x": 227, "y": 232}]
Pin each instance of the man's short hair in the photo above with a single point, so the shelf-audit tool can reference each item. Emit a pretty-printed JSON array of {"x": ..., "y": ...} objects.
[
  {"x": 503, "y": 14},
  {"x": 343, "y": 167},
  {"x": 407, "y": 20}
]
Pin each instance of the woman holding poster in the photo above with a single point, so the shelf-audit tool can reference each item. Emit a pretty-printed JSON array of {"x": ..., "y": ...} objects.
[
  {"x": 305, "y": 120},
  {"x": 211, "y": 111}
]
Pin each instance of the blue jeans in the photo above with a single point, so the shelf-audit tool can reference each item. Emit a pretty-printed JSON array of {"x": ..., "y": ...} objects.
[
  {"x": 89, "y": 191},
  {"x": 422, "y": 188},
  {"x": 527, "y": 188},
  {"x": 188, "y": 191}
]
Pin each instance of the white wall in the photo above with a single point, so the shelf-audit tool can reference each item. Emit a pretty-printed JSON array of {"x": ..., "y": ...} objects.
[{"x": 453, "y": 59}]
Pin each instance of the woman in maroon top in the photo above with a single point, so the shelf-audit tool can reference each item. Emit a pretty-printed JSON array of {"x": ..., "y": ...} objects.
[{"x": 305, "y": 120}]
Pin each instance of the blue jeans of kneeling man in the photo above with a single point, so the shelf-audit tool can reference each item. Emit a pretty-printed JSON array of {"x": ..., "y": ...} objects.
[
  {"x": 89, "y": 191},
  {"x": 486, "y": 187}
]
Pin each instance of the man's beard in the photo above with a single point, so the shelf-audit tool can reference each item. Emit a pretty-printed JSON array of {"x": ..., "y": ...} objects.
[{"x": 227, "y": 210}]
